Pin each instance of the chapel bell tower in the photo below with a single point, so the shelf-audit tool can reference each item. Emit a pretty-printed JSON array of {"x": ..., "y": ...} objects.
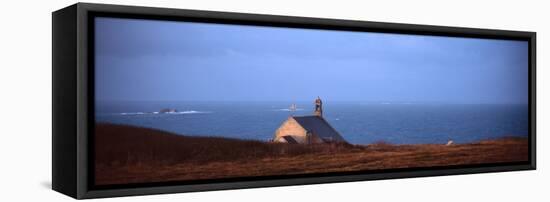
[{"x": 318, "y": 107}]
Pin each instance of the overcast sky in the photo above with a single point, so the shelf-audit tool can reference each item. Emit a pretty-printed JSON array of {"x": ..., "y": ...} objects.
[{"x": 149, "y": 60}]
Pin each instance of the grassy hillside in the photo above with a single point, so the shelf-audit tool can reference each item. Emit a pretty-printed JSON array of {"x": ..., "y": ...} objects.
[
  {"x": 118, "y": 144},
  {"x": 126, "y": 154}
]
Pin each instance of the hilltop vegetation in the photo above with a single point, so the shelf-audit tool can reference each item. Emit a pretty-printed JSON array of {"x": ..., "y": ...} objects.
[{"x": 126, "y": 154}]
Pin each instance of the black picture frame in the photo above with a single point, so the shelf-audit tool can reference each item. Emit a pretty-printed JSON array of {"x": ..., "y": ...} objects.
[{"x": 73, "y": 101}]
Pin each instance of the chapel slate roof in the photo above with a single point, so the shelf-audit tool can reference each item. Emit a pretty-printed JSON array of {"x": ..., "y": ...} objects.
[
  {"x": 320, "y": 127},
  {"x": 290, "y": 139}
]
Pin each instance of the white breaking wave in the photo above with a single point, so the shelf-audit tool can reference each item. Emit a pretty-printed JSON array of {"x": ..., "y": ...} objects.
[
  {"x": 132, "y": 113},
  {"x": 189, "y": 112},
  {"x": 181, "y": 112}
]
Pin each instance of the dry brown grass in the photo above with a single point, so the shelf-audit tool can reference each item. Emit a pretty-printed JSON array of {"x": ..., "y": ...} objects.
[{"x": 136, "y": 155}]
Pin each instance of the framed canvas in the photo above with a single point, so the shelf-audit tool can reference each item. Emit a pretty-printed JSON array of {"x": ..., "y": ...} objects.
[{"x": 155, "y": 100}]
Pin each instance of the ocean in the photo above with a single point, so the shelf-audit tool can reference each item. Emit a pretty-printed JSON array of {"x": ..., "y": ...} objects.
[{"x": 357, "y": 122}]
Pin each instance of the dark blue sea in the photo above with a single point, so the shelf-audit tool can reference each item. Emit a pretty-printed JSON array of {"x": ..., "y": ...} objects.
[{"x": 358, "y": 123}]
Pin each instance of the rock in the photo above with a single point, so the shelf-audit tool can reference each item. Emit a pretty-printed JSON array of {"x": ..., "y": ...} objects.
[{"x": 168, "y": 110}]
